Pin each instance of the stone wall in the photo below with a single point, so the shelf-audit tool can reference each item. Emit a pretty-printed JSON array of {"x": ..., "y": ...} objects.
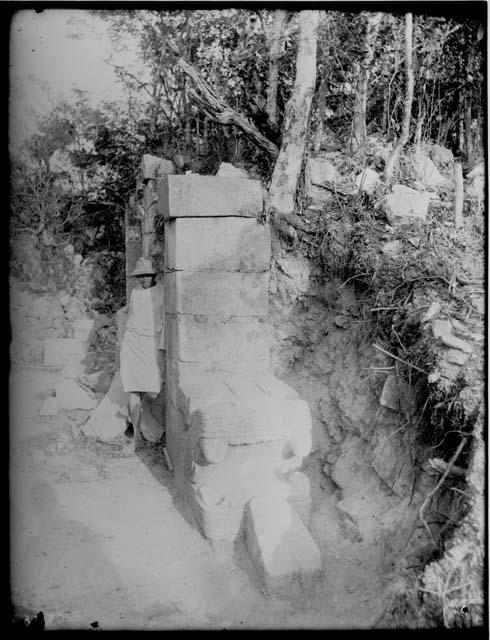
[{"x": 236, "y": 435}]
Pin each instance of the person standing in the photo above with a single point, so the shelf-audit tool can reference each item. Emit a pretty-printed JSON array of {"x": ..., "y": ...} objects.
[{"x": 142, "y": 354}]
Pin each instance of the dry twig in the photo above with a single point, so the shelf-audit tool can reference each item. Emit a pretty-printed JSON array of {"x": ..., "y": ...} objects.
[{"x": 439, "y": 484}]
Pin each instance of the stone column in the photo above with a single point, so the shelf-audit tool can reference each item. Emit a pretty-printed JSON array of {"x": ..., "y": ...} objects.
[
  {"x": 139, "y": 220},
  {"x": 236, "y": 435}
]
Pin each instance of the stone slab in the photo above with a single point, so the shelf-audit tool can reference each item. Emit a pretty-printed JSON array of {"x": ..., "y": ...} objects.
[
  {"x": 108, "y": 421},
  {"x": 242, "y": 409},
  {"x": 217, "y": 244},
  {"x": 153, "y": 167},
  {"x": 218, "y": 493},
  {"x": 58, "y": 352},
  {"x": 233, "y": 294},
  {"x": 256, "y": 419},
  {"x": 300, "y": 496},
  {"x": 390, "y": 395},
  {"x": 233, "y": 342},
  {"x": 209, "y": 196},
  {"x": 49, "y": 407},
  {"x": 71, "y": 396},
  {"x": 280, "y": 546},
  {"x": 84, "y": 329},
  {"x": 405, "y": 205}
]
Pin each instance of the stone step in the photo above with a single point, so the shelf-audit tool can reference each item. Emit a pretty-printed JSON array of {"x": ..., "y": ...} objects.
[{"x": 280, "y": 546}]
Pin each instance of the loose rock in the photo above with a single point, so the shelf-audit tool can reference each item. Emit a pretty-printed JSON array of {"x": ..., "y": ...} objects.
[
  {"x": 279, "y": 545},
  {"x": 431, "y": 312},
  {"x": 454, "y": 356},
  {"x": 367, "y": 180},
  {"x": 70, "y": 396},
  {"x": 405, "y": 205},
  {"x": 50, "y": 407},
  {"x": 390, "y": 396}
]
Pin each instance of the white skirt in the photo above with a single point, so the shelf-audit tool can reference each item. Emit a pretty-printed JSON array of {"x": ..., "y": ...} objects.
[{"x": 140, "y": 363}]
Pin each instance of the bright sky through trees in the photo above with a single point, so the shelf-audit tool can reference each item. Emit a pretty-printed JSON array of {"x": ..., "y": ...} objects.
[{"x": 51, "y": 54}]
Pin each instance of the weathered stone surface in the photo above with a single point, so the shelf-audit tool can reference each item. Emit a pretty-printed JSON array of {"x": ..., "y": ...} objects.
[
  {"x": 391, "y": 461},
  {"x": 440, "y": 154},
  {"x": 209, "y": 196},
  {"x": 427, "y": 172},
  {"x": 108, "y": 421},
  {"x": 180, "y": 448},
  {"x": 478, "y": 303},
  {"x": 235, "y": 343},
  {"x": 475, "y": 187},
  {"x": 84, "y": 330},
  {"x": 454, "y": 356},
  {"x": 59, "y": 351},
  {"x": 441, "y": 327},
  {"x": 45, "y": 308},
  {"x": 256, "y": 418},
  {"x": 392, "y": 248},
  {"x": 300, "y": 496},
  {"x": 320, "y": 170},
  {"x": 442, "y": 330},
  {"x": 320, "y": 175},
  {"x": 452, "y": 341},
  {"x": 192, "y": 387},
  {"x": 213, "y": 293},
  {"x": 219, "y": 492},
  {"x": 212, "y": 244},
  {"x": 431, "y": 312},
  {"x": 50, "y": 407},
  {"x": 73, "y": 370},
  {"x": 214, "y": 450},
  {"x": 71, "y": 396},
  {"x": 367, "y": 180},
  {"x": 227, "y": 170},
  {"x": 280, "y": 546},
  {"x": 390, "y": 396},
  {"x": 405, "y": 205},
  {"x": 99, "y": 381},
  {"x": 155, "y": 167}
]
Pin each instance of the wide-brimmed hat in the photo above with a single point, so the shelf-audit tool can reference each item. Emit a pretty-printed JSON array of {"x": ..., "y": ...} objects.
[{"x": 143, "y": 267}]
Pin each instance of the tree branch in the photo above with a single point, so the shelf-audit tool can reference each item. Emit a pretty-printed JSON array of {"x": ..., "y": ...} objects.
[{"x": 216, "y": 110}]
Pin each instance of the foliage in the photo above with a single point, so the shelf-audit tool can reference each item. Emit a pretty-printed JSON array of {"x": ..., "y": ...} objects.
[{"x": 70, "y": 186}]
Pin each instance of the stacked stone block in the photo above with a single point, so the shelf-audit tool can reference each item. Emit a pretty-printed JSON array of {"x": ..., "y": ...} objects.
[{"x": 235, "y": 433}]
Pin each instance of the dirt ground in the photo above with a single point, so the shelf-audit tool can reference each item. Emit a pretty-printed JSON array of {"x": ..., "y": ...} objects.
[{"x": 98, "y": 535}]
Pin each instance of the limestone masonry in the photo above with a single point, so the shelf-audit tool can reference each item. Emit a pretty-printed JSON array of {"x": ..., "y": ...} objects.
[{"x": 236, "y": 435}]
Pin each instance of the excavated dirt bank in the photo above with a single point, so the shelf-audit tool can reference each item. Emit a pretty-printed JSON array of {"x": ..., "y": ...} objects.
[{"x": 368, "y": 483}]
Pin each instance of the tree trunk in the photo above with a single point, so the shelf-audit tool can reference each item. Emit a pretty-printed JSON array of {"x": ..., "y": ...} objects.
[
  {"x": 467, "y": 128},
  {"x": 461, "y": 125},
  {"x": 322, "y": 103},
  {"x": 402, "y": 141},
  {"x": 362, "y": 84},
  {"x": 418, "y": 128},
  {"x": 458, "y": 195},
  {"x": 288, "y": 165},
  {"x": 276, "y": 41}
]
